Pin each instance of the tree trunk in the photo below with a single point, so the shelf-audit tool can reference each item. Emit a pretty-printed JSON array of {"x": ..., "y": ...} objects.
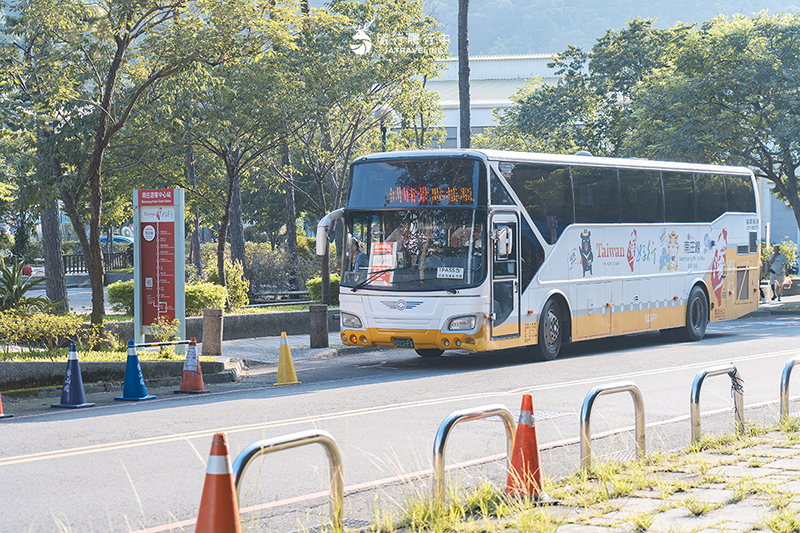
[
  {"x": 96, "y": 252},
  {"x": 56, "y": 286},
  {"x": 291, "y": 222},
  {"x": 191, "y": 179},
  {"x": 236, "y": 226},
  {"x": 465, "y": 131},
  {"x": 71, "y": 207}
]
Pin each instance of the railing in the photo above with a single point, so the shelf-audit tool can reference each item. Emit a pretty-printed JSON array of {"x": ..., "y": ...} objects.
[
  {"x": 736, "y": 391},
  {"x": 76, "y": 263},
  {"x": 586, "y": 418},
  {"x": 294, "y": 440},
  {"x": 460, "y": 416},
  {"x": 785, "y": 375}
]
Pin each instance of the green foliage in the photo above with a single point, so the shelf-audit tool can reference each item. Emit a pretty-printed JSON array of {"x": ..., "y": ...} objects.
[
  {"x": 165, "y": 330},
  {"x": 39, "y": 332},
  {"x": 13, "y": 286},
  {"x": 120, "y": 296},
  {"x": 236, "y": 284},
  {"x": 6, "y": 241},
  {"x": 204, "y": 295},
  {"x": 314, "y": 286}
]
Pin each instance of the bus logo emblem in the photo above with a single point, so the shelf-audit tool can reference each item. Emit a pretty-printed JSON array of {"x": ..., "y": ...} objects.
[{"x": 400, "y": 305}]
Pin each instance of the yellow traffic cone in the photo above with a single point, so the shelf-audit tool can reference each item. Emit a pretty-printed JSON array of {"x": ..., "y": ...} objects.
[{"x": 286, "y": 375}]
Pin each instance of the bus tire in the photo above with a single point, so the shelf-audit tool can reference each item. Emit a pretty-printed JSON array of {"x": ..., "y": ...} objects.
[
  {"x": 551, "y": 331},
  {"x": 433, "y": 352},
  {"x": 696, "y": 316}
]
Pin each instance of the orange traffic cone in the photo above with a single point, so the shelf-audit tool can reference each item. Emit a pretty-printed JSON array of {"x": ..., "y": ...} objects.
[
  {"x": 286, "y": 373},
  {"x": 1, "y": 410},
  {"x": 219, "y": 512},
  {"x": 525, "y": 475},
  {"x": 192, "y": 380}
]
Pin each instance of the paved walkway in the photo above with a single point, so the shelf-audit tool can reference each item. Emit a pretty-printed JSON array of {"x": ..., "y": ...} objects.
[{"x": 744, "y": 485}]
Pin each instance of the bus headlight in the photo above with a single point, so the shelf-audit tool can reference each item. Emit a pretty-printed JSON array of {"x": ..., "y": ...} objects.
[
  {"x": 351, "y": 321},
  {"x": 461, "y": 323}
]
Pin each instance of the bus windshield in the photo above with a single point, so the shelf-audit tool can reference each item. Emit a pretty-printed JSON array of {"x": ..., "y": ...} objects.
[{"x": 415, "y": 249}]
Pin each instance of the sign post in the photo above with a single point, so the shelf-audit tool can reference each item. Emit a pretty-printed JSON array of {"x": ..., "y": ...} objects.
[{"x": 159, "y": 259}]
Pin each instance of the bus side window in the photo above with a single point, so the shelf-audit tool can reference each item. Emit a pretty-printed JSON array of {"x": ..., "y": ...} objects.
[
  {"x": 596, "y": 193},
  {"x": 641, "y": 196},
  {"x": 739, "y": 191},
  {"x": 532, "y": 254},
  {"x": 710, "y": 196},
  {"x": 546, "y": 193},
  {"x": 678, "y": 196}
]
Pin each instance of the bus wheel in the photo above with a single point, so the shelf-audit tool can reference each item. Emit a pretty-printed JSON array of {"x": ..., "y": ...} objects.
[
  {"x": 434, "y": 352},
  {"x": 696, "y": 316},
  {"x": 551, "y": 331}
]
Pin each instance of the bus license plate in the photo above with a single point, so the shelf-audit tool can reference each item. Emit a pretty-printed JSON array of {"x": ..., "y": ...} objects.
[{"x": 404, "y": 343}]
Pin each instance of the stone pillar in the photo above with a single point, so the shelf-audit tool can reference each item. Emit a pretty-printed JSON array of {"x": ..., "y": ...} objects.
[
  {"x": 212, "y": 331},
  {"x": 318, "y": 315}
]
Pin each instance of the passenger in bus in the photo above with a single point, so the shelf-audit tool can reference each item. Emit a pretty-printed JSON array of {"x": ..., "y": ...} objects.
[{"x": 361, "y": 260}]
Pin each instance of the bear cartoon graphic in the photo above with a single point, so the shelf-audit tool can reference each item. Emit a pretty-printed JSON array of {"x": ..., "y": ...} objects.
[{"x": 586, "y": 252}]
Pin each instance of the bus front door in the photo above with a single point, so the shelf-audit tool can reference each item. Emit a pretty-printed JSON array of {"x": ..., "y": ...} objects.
[{"x": 505, "y": 276}]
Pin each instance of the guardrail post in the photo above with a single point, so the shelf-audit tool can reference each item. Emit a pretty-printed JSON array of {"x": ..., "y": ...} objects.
[
  {"x": 785, "y": 376},
  {"x": 447, "y": 425},
  {"x": 586, "y": 416},
  {"x": 293, "y": 440},
  {"x": 736, "y": 390}
]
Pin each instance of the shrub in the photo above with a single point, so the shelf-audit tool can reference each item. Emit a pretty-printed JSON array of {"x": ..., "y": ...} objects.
[
  {"x": 13, "y": 286},
  {"x": 120, "y": 296},
  {"x": 204, "y": 295},
  {"x": 41, "y": 330},
  {"x": 314, "y": 286},
  {"x": 236, "y": 284}
]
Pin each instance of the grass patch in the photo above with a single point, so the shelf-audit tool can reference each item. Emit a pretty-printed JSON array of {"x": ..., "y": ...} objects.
[{"x": 98, "y": 355}]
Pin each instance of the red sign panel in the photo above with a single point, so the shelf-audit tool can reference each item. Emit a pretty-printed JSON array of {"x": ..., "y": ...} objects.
[
  {"x": 156, "y": 197},
  {"x": 157, "y": 240}
]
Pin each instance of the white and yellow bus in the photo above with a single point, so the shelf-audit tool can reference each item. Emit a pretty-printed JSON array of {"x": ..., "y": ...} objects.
[{"x": 487, "y": 250}]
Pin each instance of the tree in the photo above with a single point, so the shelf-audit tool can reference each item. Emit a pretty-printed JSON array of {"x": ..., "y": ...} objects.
[
  {"x": 105, "y": 56},
  {"x": 464, "y": 123},
  {"x": 588, "y": 107},
  {"x": 730, "y": 97},
  {"x": 348, "y": 96}
]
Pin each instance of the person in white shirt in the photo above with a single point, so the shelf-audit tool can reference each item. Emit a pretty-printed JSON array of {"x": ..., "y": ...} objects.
[{"x": 777, "y": 272}]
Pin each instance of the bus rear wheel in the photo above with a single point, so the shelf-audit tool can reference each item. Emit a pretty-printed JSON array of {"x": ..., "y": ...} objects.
[
  {"x": 433, "y": 352},
  {"x": 551, "y": 331},
  {"x": 696, "y": 316}
]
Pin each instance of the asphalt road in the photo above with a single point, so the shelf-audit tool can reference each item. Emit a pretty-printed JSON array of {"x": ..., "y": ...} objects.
[{"x": 126, "y": 467}]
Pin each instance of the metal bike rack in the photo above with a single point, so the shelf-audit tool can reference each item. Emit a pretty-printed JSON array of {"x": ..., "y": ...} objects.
[
  {"x": 447, "y": 425},
  {"x": 736, "y": 391},
  {"x": 787, "y": 373},
  {"x": 586, "y": 416},
  {"x": 293, "y": 440}
]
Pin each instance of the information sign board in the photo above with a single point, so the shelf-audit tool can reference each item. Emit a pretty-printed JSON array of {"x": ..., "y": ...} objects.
[{"x": 159, "y": 280}]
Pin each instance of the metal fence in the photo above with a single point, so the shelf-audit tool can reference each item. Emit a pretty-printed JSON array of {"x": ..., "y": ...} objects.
[{"x": 76, "y": 263}]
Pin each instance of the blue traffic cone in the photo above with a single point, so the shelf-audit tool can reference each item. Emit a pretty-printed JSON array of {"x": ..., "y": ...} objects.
[
  {"x": 73, "y": 396},
  {"x": 134, "y": 389}
]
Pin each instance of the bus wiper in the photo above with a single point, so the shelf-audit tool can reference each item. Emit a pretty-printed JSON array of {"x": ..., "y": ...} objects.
[
  {"x": 449, "y": 290},
  {"x": 372, "y": 276}
]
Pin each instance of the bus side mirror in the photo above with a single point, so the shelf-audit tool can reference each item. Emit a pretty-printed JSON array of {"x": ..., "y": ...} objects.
[{"x": 503, "y": 237}]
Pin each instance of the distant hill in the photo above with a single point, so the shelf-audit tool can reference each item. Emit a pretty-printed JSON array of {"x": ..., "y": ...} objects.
[{"x": 535, "y": 26}]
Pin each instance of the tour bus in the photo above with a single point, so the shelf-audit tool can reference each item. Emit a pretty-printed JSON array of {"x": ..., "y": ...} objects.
[{"x": 487, "y": 250}]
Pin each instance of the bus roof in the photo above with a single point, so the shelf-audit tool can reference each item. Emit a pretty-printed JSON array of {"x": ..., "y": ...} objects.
[{"x": 559, "y": 159}]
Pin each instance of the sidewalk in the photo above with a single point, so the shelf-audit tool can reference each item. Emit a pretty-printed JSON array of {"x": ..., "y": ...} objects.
[{"x": 738, "y": 485}]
